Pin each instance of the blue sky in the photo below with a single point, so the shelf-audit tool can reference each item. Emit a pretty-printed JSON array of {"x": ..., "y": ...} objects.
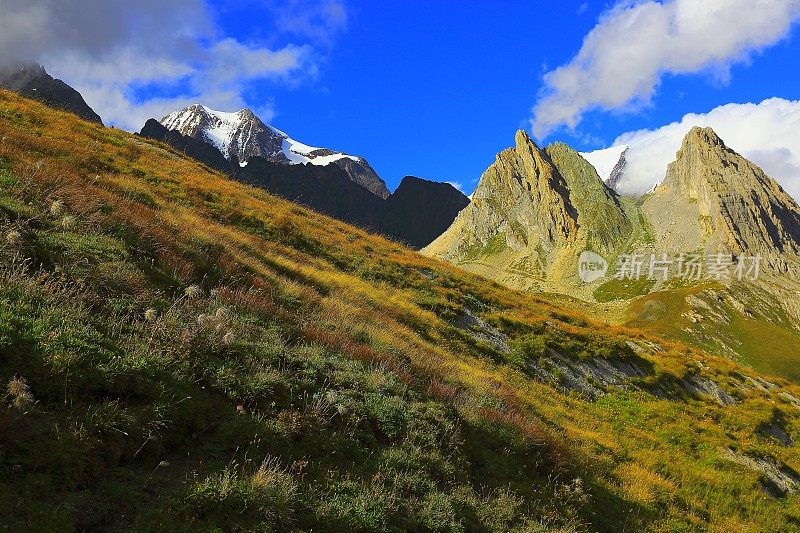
[
  {"x": 432, "y": 89},
  {"x": 435, "y": 89}
]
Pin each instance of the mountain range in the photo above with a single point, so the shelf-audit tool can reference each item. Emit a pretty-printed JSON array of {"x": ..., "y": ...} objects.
[
  {"x": 536, "y": 212},
  {"x": 242, "y": 135},
  {"x": 241, "y": 145},
  {"x": 336, "y": 184},
  {"x": 181, "y": 350},
  {"x": 533, "y": 213}
]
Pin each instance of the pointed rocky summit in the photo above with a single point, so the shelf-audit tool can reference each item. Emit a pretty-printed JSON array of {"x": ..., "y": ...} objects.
[
  {"x": 714, "y": 198},
  {"x": 531, "y": 215}
]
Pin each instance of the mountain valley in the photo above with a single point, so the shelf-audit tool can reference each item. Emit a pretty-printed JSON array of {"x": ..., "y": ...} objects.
[{"x": 209, "y": 325}]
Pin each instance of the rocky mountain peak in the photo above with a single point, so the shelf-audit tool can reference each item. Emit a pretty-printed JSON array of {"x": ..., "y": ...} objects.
[
  {"x": 242, "y": 135},
  {"x": 31, "y": 80},
  {"x": 247, "y": 114},
  {"x": 736, "y": 206},
  {"x": 703, "y": 136},
  {"x": 525, "y": 223}
]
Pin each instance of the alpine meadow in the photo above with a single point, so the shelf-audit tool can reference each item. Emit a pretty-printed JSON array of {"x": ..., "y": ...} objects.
[{"x": 209, "y": 324}]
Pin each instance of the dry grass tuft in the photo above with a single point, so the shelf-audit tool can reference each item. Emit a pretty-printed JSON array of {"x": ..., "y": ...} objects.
[
  {"x": 20, "y": 393},
  {"x": 13, "y": 237},
  {"x": 193, "y": 291}
]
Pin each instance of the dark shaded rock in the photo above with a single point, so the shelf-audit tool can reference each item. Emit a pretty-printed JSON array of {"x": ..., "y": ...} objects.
[
  {"x": 198, "y": 150},
  {"x": 30, "y": 80},
  {"x": 421, "y": 210},
  {"x": 326, "y": 189}
]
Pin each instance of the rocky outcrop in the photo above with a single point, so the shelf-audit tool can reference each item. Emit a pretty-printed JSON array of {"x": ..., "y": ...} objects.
[
  {"x": 198, "y": 150},
  {"x": 725, "y": 203},
  {"x": 593, "y": 377},
  {"x": 482, "y": 331},
  {"x": 421, "y": 210},
  {"x": 777, "y": 479},
  {"x": 700, "y": 387},
  {"x": 30, "y": 80}
]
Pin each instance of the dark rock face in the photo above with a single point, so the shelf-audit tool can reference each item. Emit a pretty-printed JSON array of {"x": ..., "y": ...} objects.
[
  {"x": 362, "y": 173},
  {"x": 327, "y": 189},
  {"x": 199, "y": 150},
  {"x": 242, "y": 135},
  {"x": 417, "y": 212},
  {"x": 421, "y": 210},
  {"x": 618, "y": 171},
  {"x": 30, "y": 80}
]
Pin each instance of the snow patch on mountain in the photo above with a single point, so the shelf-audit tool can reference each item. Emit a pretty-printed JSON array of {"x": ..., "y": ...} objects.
[
  {"x": 241, "y": 136},
  {"x": 221, "y": 129}
]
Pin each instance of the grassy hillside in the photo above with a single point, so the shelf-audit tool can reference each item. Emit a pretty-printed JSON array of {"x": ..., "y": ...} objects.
[
  {"x": 181, "y": 352},
  {"x": 714, "y": 318}
]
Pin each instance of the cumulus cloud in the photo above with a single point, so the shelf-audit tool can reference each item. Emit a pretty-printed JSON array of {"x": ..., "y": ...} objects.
[
  {"x": 114, "y": 51},
  {"x": 765, "y": 133},
  {"x": 637, "y": 42}
]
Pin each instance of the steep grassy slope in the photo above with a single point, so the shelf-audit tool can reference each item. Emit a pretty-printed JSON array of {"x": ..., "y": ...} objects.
[
  {"x": 715, "y": 318},
  {"x": 182, "y": 352}
]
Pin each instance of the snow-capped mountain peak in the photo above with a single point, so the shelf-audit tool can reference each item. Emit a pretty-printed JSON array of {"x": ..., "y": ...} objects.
[
  {"x": 241, "y": 135},
  {"x": 608, "y": 162}
]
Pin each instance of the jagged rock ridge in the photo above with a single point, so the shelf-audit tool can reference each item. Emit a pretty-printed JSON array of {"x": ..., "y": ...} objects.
[
  {"x": 610, "y": 163},
  {"x": 415, "y": 214},
  {"x": 532, "y": 213},
  {"x": 730, "y": 204},
  {"x": 242, "y": 135}
]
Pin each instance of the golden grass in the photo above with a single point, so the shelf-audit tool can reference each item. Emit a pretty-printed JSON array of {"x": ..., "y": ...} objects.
[{"x": 346, "y": 281}]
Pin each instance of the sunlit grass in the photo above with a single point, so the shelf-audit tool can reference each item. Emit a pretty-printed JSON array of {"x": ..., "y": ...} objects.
[{"x": 185, "y": 318}]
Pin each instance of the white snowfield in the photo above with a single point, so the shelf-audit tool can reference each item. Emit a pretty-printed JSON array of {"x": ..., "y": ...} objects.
[
  {"x": 605, "y": 160},
  {"x": 224, "y": 127}
]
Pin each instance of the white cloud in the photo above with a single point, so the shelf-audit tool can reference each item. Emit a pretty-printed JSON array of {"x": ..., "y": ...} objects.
[
  {"x": 765, "y": 133},
  {"x": 637, "y": 42},
  {"x": 457, "y": 184},
  {"x": 320, "y": 20},
  {"x": 107, "y": 49}
]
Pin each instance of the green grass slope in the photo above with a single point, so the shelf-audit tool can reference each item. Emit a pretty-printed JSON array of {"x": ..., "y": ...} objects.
[{"x": 180, "y": 352}]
